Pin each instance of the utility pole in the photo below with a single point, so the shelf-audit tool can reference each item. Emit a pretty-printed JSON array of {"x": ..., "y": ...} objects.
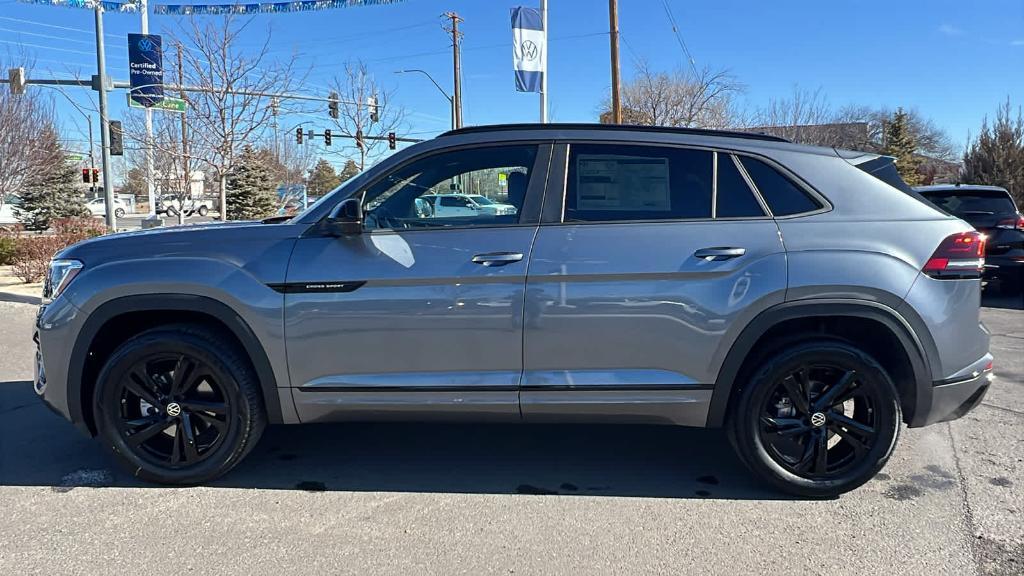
[
  {"x": 101, "y": 64},
  {"x": 187, "y": 174},
  {"x": 457, "y": 64},
  {"x": 544, "y": 64},
  {"x": 150, "y": 188},
  {"x": 613, "y": 25}
]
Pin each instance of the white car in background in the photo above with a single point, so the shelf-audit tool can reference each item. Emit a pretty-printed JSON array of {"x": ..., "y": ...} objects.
[
  {"x": 455, "y": 205},
  {"x": 97, "y": 207}
]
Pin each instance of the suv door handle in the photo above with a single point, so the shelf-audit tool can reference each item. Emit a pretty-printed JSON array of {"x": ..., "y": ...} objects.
[
  {"x": 497, "y": 258},
  {"x": 719, "y": 253}
]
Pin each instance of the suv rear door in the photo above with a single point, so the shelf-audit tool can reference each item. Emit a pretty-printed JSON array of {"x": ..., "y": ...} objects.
[{"x": 648, "y": 261}]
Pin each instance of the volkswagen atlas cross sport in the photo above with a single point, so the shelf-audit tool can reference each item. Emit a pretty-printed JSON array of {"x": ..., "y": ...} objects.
[{"x": 796, "y": 296}]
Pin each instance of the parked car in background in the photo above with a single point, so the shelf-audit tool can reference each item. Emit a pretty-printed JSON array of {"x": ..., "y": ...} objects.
[
  {"x": 98, "y": 207},
  {"x": 456, "y": 205},
  {"x": 992, "y": 211},
  {"x": 647, "y": 275},
  {"x": 170, "y": 205}
]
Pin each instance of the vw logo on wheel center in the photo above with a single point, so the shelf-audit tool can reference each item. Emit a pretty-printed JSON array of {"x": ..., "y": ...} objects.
[
  {"x": 173, "y": 409},
  {"x": 817, "y": 419}
]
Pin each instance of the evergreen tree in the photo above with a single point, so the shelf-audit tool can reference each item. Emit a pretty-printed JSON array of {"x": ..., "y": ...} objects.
[
  {"x": 349, "y": 170},
  {"x": 51, "y": 194},
  {"x": 322, "y": 179},
  {"x": 996, "y": 156},
  {"x": 899, "y": 143},
  {"x": 250, "y": 188}
]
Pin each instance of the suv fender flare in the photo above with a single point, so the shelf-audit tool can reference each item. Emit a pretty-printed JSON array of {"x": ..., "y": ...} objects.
[
  {"x": 183, "y": 302},
  {"x": 909, "y": 330}
]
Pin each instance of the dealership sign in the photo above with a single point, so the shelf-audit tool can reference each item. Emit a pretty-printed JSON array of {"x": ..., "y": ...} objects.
[{"x": 146, "y": 68}]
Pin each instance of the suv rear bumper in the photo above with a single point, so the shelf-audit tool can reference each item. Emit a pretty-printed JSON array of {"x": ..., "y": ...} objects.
[{"x": 954, "y": 399}]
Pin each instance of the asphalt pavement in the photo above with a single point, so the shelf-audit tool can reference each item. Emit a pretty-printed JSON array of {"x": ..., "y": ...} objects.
[{"x": 474, "y": 499}]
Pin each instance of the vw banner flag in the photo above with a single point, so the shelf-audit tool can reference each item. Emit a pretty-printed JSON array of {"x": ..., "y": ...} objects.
[{"x": 528, "y": 49}]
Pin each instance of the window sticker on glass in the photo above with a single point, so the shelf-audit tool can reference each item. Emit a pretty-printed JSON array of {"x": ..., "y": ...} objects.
[{"x": 613, "y": 182}]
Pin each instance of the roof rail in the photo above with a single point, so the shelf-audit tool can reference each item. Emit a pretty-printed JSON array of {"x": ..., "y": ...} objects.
[{"x": 616, "y": 127}]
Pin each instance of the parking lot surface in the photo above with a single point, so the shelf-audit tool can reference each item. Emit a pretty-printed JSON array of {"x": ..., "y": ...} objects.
[{"x": 444, "y": 499}]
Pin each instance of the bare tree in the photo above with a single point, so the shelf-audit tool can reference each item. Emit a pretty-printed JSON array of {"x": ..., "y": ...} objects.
[
  {"x": 22, "y": 118},
  {"x": 806, "y": 117},
  {"x": 355, "y": 88},
  {"x": 700, "y": 99},
  {"x": 931, "y": 139},
  {"x": 235, "y": 111}
]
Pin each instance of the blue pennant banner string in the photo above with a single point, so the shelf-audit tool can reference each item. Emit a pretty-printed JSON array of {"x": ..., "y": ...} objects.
[
  {"x": 88, "y": 4},
  {"x": 266, "y": 8}
]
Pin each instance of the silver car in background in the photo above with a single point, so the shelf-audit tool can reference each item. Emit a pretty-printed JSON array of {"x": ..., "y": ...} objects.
[{"x": 800, "y": 297}]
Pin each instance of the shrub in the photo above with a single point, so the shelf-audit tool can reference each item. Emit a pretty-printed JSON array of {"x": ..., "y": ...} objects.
[
  {"x": 8, "y": 245},
  {"x": 7, "y": 248},
  {"x": 32, "y": 252}
]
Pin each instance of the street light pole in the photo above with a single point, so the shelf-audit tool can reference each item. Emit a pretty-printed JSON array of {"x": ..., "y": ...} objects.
[
  {"x": 101, "y": 65},
  {"x": 451, "y": 101},
  {"x": 544, "y": 64},
  {"x": 150, "y": 188}
]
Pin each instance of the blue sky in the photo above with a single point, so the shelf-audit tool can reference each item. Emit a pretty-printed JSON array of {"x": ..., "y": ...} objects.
[{"x": 954, "y": 61}]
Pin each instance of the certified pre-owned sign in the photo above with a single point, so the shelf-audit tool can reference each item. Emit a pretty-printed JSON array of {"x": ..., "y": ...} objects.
[{"x": 146, "y": 68}]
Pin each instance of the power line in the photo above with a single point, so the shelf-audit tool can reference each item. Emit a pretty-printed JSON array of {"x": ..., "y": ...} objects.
[
  {"x": 50, "y": 36},
  {"x": 679, "y": 36},
  {"x": 66, "y": 28}
]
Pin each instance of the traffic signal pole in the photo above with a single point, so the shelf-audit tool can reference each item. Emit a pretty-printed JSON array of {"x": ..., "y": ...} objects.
[{"x": 108, "y": 181}]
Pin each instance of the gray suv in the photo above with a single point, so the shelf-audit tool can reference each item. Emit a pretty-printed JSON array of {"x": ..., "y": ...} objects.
[{"x": 799, "y": 297}]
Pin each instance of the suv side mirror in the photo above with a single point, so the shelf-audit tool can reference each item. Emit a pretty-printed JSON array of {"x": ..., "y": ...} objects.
[{"x": 347, "y": 218}]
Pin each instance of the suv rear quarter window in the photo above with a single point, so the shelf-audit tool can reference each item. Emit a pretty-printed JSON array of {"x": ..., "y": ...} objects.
[{"x": 783, "y": 197}]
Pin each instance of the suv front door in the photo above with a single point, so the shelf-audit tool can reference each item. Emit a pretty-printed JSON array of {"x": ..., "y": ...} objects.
[
  {"x": 652, "y": 259},
  {"x": 421, "y": 314}
]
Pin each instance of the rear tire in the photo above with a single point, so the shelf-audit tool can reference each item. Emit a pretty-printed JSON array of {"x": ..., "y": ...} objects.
[
  {"x": 203, "y": 211},
  {"x": 817, "y": 419},
  {"x": 179, "y": 404},
  {"x": 119, "y": 212}
]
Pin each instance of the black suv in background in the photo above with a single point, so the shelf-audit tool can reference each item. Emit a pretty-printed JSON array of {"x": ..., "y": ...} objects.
[{"x": 992, "y": 211}]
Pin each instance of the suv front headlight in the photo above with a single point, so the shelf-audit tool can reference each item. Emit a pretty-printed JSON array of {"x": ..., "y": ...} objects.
[{"x": 61, "y": 273}]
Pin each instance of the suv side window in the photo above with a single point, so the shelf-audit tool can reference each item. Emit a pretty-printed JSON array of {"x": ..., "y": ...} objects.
[
  {"x": 733, "y": 196},
  {"x": 612, "y": 182},
  {"x": 405, "y": 197},
  {"x": 784, "y": 198}
]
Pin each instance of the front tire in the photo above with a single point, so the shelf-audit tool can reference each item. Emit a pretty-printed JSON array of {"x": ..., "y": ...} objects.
[
  {"x": 179, "y": 405},
  {"x": 119, "y": 212},
  {"x": 203, "y": 211},
  {"x": 817, "y": 419}
]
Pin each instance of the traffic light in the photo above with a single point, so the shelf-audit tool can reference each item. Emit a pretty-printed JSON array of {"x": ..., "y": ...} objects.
[
  {"x": 327, "y": 137},
  {"x": 85, "y": 175},
  {"x": 116, "y": 138},
  {"x": 371, "y": 103},
  {"x": 332, "y": 105},
  {"x": 359, "y": 139},
  {"x": 95, "y": 175},
  {"x": 298, "y": 135},
  {"x": 392, "y": 140}
]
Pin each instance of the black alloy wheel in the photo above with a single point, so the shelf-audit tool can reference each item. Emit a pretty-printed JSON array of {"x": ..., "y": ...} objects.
[
  {"x": 817, "y": 419},
  {"x": 172, "y": 409},
  {"x": 179, "y": 404}
]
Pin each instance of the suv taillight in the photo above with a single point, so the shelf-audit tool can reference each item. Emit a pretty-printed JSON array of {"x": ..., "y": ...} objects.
[
  {"x": 1012, "y": 223},
  {"x": 961, "y": 255}
]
